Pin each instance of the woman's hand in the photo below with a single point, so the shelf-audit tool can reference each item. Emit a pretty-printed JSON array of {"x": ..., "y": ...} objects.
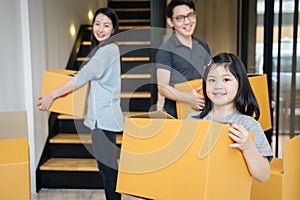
[
  {"x": 45, "y": 101},
  {"x": 241, "y": 138}
]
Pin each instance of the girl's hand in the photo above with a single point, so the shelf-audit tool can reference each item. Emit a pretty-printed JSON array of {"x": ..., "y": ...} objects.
[
  {"x": 198, "y": 101},
  {"x": 45, "y": 101},
  {"x": 241, "y": 138}
]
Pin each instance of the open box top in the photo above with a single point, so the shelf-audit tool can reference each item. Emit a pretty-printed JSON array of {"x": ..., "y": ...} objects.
[
  {"x": 259, "y": 86},
  {"x": 291, "y": 152},
  {"x": 153, "y": 114}
]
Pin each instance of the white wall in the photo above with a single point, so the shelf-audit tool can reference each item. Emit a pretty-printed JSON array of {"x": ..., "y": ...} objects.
[
  {"x": 59, "y": 15},
  {"x": 11, "y": 77},
  {"x": 38, "y": 65}
]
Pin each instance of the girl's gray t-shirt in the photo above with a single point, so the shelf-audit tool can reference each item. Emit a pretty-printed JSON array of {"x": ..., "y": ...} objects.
[{"x": 250, "y": 124}]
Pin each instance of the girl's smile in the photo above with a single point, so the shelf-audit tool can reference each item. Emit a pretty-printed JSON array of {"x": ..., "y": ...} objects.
[{"x": 222, "y": 86}]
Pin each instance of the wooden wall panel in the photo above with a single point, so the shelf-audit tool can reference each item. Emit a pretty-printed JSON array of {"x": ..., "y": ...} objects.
[{"x": 217, "y": 23}]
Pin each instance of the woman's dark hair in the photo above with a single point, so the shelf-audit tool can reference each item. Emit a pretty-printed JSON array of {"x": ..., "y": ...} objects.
[
  {"x": 112, "y": 16},
  {"x": 245, "y": 100},
  {"x": 174, "y": 3}
]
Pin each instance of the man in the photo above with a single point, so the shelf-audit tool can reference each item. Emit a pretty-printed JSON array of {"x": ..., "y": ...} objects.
[{"x": 181, "y": 58}]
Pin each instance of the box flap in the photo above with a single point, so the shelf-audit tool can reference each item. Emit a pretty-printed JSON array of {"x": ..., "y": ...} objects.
[
  {"x": 184, "y": 109},
  {"x": 276, "y": 166},
  {"x": 13, "y": 150},
  {"x": 259, "y": 86},
  {"x": 66, "y": 72},
  {"x": 291, "y": 152},
  {"x": 154, "y": 114},
  {"x": 258, "y": 82}
]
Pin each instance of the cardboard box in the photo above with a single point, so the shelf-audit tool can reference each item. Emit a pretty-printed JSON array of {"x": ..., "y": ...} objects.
[
  {"x": 14, "y": 169},
  {"x": 14, "y": 156},
  {"x": 73, "y": 103},
  {"x": 259, "y": 86},
  {"x": 184, "y": 109},
  {"x": 284, "y": 182},
  {"x": 181, "y": 159}
]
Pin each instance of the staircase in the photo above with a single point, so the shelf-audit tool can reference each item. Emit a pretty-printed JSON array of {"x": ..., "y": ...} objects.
[{"x": 67, "y": 160}]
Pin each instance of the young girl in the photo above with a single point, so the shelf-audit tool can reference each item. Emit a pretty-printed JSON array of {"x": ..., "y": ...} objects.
[
  {"x": 104, "y": 116},
  {"x": 230, "y": 99}
]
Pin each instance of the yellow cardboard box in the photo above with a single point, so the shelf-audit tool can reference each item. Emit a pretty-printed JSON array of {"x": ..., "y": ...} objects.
[
  {"x": 175, "y": 159},
  {"x": 14, "y": 156},
  {"x": 259, "y": 86},
  {"x": 284, "y": 182},
  {"x": 14, "y": 169},
  {"x": 73, "y": 103}
]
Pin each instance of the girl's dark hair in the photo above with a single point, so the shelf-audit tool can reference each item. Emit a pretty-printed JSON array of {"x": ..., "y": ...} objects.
[
  {"x": 245, "y": 100},
  {"x": 174, "y": 3},
  {"x": 112, "y": 16}
]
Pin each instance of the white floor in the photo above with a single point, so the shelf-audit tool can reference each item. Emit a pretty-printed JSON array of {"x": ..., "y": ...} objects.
[{"x": 73, "y": 194}]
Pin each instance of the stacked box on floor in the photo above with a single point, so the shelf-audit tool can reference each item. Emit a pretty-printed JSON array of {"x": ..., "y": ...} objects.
[
  {"x": 14, "y": 156},
  {"x": 284, "y": 179}
]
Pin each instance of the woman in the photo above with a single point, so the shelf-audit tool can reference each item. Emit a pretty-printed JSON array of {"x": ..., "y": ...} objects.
[{"x": 104, "y": 116}]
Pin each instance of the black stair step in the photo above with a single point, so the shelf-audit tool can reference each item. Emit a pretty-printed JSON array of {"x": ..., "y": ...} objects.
[
  {"x": 134, "y": 15},
  {"x": 72, "y": 126},
  {"x": 87, "y": 32},
  {"x": 135, "y": 51},
  {"x": 69, "y": 173},
  {"x": 133, "y": 35},
  {"x": 138, "y": 85},
  {"x": 71, "y": 151},
  {"x": 136, "y": 68},
  {"x": 133, "y": 25},
  {"x": 132, "y": 9},
  {"x": 133, "y": 1},
  {"x": 129, "y": 4},
  {"x": 67, "y": 145},
  {"x": 69, "y": 180},
  {"x": 136, "y": 104},
  {"x": 84, "y": 51}
]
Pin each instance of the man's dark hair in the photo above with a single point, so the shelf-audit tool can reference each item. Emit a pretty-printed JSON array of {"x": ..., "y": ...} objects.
[{"x": 174, "y": 3}]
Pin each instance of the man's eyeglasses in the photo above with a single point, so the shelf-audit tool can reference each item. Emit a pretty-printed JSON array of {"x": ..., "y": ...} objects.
[{"x": 180, "y": 18}]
